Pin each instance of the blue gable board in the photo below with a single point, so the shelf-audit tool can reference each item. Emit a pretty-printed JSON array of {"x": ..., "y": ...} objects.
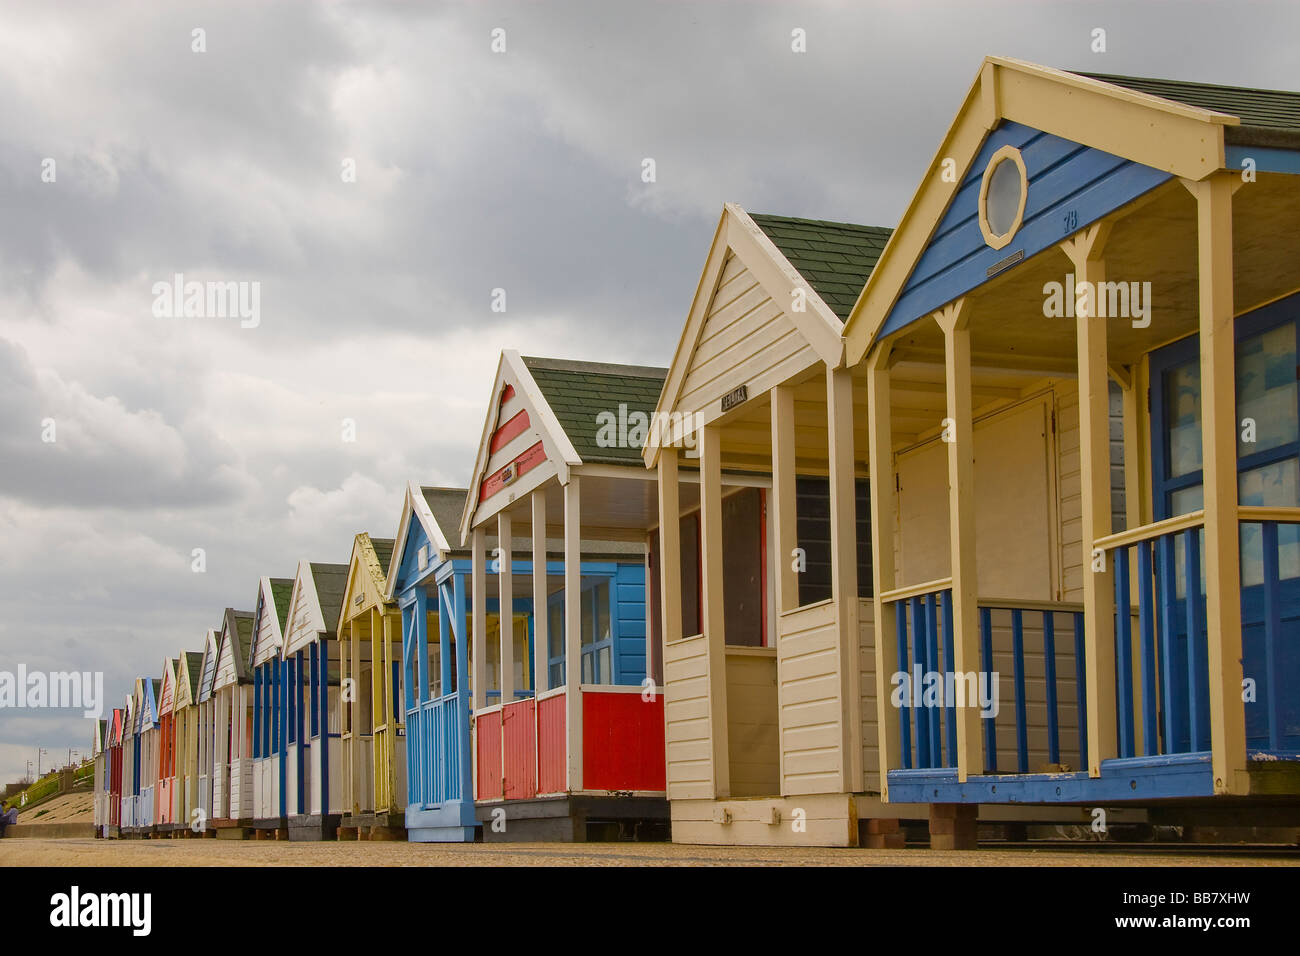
[
  {"x": 1070, "y": 186},
  {"x": 408, "y": 571},
  {"x": 1266, "y": 159}
]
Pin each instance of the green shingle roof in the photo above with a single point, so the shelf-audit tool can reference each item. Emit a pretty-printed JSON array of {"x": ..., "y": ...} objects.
[
  {"x": 193, "y": 665},
  {"x": 1261, "y": 111},
  {"x": 835, "y": 257},
  {"x": 383, "y": 551},
  {"x": 331, "y": 580},
  {"x": 281, "y": 590},
  {"x": 578, "y": 392}
]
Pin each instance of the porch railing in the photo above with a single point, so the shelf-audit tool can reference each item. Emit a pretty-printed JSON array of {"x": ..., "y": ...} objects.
[
  {"x": 924, "y": 634},
  {"x": 1161, "y": 681},
  {"x": 1270, "y": 598},
  {"x": 437, "y": 733},
  {"x": 1162, "y": 670}
]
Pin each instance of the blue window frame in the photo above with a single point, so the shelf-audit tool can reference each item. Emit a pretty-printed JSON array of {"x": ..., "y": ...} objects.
[
  {"x": 598, "y": 659},
  {"x": 1267, "y": 396}
]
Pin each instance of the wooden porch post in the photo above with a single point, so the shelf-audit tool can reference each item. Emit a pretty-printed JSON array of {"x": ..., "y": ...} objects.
[
  {"x": 954, "y": 319},
  {"x": 1085, "y": 252},
  {"x": 785, "y": 531},
  {"x": 573, "y": 630},
  {"x": 478, "y": 628},
  {"x": 712, "y": 597},
  {"x": 506, "y": 606},
  {"x": 541, "y": 637},
  {"x": 352, "y": 763},
  {"x": 884, "y": 498},
  {"x": 394, "y": 711},
  {"x": 785, "y": 538},
  {"x": 844, "y": 569},
  {"x": 670, "y": 550},
  {"x": 1219, "y": 443}
]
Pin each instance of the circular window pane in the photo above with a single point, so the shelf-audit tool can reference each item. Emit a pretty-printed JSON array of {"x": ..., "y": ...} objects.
[{"x": 1003, "y": 200}]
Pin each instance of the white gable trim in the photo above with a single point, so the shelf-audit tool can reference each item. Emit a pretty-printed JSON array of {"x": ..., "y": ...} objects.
[
  {"x": 737, "y": 234},
  {"x": 559, "y": 450}
]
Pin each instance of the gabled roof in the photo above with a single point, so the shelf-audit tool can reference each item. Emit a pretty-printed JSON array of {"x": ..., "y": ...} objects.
[
  {"x": 235, "y": 642},
  {"x": 188, "y": 667},
  {"x": 545, "y": 416},
  {"x": 208, "y": 667},
  {"x": 273, "y": 596},
  {"x": 828, "y": 262},
  {"x": 835, "y": 257},
  {"x": 434, "y": 509},
  {"x": 1179, "y": 136},
  {"x": 1262, "y": 112},
  {"x": 167, "y": 696},
  {"x": 367, "y": 576},
  {"x": 577, "y": 392},
  {"x": 315, "y": 603}
]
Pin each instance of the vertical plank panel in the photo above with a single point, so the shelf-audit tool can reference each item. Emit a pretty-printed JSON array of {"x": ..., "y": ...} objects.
[
  {"x": 1123, "y": 654},
  {"x": 1147, "y": 649},
  {"x": 1049, "y": 676}
]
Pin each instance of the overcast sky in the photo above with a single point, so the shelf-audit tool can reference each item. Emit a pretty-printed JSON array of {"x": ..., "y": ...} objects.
[{"x": 475, "y": 170}]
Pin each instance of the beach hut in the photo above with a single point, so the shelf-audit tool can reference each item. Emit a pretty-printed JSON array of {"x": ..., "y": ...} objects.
[
  {"x": 1142, "y": 235},
  {"x": 129, "y": 765},
  {"x": 430, "y": 581},
  {"x": 100, "y": 759},
  {"x": 313, "y": 778},
  {"x": 165, "y": 805},
  {"x": 766, "y": 641},
  {"x": 373, "y": 742},
  {"x": 232, "y": 690},
  {"x": 205, "y": 751},
  {"x": 270, "y": 705},
  {"x": 113, "y": 811},
  {"x": 185, "y": 714},
  {"x": 149, "y": 736},
  {"x": 568, "y": 732}
]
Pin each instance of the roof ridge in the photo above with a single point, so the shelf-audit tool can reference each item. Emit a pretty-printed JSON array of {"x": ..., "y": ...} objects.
[
  {"x": 1108, "y": 77},
  {"x": 595, "y": 368},
  {"x": 834, "y": 223}
]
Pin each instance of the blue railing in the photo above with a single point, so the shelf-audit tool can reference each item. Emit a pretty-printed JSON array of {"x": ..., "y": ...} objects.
[
  {"x": 1270, "y": 612},
  {"x": 1051, "y": 619},
  {"x": 437, "y": 733},
  {"x": 924, "y": 633},
  {"x": 1162, "y": 683}
]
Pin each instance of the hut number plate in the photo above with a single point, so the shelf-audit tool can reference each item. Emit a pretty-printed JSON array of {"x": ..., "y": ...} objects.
[{"x": 735, "y": 397}]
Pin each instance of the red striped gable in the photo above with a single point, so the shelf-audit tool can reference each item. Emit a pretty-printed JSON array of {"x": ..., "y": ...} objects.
[
  {"x": 523, "y": 463},
  {"x": 501, "y": 437},
  {"x": 507, "y": 393}
]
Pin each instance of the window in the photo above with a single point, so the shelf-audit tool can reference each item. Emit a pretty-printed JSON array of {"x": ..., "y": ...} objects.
[
  {"x": 1002, "y": 197},
  {"x": 813, "y": 521},
  {"x": 596, "y": 632},
  {"x": 1268, "y": 432}
]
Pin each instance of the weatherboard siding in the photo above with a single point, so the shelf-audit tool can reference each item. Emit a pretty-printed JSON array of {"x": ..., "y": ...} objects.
[
  {"x": 747, "y": 337},
  {"x": 1069, "y": 187}
]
